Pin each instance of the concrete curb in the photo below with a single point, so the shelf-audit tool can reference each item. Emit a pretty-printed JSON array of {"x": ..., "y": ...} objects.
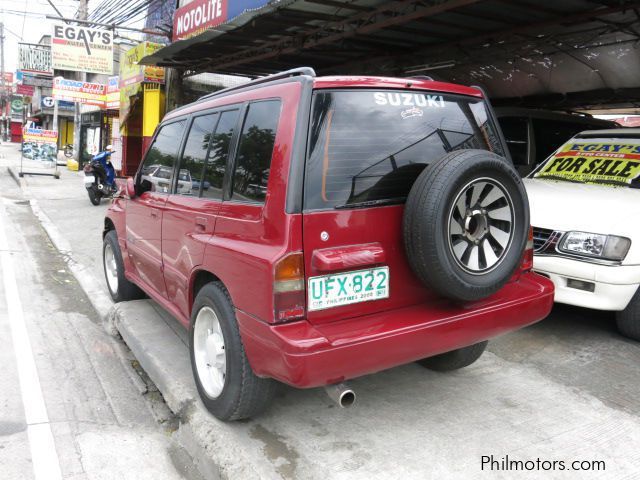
[
  {"x": 19, "y": 180},
  {"x": 218, "y": 449}
]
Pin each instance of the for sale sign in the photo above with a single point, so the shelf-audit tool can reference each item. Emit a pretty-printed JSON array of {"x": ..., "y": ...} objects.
[{"x": 82, "y": 49}]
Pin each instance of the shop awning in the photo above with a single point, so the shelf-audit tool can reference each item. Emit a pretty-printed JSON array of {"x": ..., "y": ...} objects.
[{"x": 535, "y": 51}]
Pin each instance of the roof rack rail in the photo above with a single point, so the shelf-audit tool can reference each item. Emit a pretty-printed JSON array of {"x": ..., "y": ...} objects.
[
  {"x": 294, "y": 72},
  {"x": 421, "y": 77}
]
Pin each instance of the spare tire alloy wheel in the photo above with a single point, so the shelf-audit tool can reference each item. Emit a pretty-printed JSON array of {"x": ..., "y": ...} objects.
[
  {"x": 466, "y": 223},
  {"x": 480, "y": 225}
]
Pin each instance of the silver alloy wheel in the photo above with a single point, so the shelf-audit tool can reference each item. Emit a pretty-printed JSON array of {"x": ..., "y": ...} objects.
[
  {"x": 480, "y": 227},
  {"x": 110, "y": 268},
  {"x": 209, "y": 352}
]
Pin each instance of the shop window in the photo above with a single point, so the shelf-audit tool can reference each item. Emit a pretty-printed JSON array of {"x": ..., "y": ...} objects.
[
  {"x": 195, "y": 154},
  {"x": 218, "y": 154},
  {"x": 253, "y": 160},
  {"x": 159, "y": 163}
]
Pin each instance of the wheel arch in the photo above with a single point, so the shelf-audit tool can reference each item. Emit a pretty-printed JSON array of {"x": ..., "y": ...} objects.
[
  {"x": 108, "y": 226},
  {"x": 199, "y": 278}
]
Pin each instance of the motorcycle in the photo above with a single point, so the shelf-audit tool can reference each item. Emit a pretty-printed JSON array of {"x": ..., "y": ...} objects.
[{"x": 100, "y": 177}]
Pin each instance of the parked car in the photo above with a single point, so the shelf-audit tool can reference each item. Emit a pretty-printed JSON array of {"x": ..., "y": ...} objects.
[
  {"x": 585, "y": 205},
  {"x": 532, "y": 135},
  {"x": 162, "y": 176},
  {"x": 353, "y": 224}
]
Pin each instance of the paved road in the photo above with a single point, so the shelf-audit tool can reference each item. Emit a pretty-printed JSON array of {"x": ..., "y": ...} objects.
[
  {"x": 565, "y": 389},
  {"x": 70, "y": 403}
]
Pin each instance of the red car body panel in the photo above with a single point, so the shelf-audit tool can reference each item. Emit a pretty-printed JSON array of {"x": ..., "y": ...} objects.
[
  {"x": 239, "y": 243},
  {"x": 306, "y": 355}
]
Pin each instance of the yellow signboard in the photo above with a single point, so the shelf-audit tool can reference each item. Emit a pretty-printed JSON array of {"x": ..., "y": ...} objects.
[
  {"x": 602, "y": 163},
  {"x": 130, "y": 70}
]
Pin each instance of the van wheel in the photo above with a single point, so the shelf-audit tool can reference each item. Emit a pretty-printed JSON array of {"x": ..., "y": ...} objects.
[
  {"x": 120, "y": 288},
  {"x": 465, "y": 224},
  {"x": 463, "y": 357},
  {"x": 226, "y": 383},
  {"x": 628, "y": 320}
]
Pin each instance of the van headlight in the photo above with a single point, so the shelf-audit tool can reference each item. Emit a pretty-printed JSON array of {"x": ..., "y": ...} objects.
[{"x": 608, "y": 247}]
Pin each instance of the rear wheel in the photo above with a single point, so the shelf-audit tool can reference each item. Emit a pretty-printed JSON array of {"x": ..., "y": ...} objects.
[
  {"x": 94, "y": 195},
  {"x": 456, "y": 359},
  {"x": 628, "y": 320},
  {"x": 120, "y": 288},
  {"x": 465, "y": 224},
  {"x": 225, "y": 381}
]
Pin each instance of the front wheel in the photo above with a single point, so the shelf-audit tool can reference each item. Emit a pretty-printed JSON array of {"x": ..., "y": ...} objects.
[
  {"x": 456, "y": 359},
  {"x": 94, "y": 195},
  {"x": 225, "y": 381},
  {"x": 628, "y": 320},
  {"x": 120, "y": 288}
]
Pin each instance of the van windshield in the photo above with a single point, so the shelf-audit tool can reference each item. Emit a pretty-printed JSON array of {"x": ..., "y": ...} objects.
[
  {"x": 368, "y": 147},
  {"x": 604, "y": 161}
]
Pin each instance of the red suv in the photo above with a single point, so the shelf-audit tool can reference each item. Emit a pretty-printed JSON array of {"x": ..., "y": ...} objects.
[{"x": 348, "y": 225}]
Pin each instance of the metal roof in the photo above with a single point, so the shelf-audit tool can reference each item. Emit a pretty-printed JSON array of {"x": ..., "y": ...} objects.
[{"x": 541, "y": 53}]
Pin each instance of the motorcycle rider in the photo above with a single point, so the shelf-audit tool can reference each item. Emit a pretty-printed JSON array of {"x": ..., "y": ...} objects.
[{"x": 103, "y": 158}]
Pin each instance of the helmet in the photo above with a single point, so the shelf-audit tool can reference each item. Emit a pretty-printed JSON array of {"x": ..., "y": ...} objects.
[{"x": 109, "y": 147}]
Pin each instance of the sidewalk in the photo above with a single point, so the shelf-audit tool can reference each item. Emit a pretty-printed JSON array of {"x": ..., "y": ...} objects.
[{"x": 539, "y": 397}]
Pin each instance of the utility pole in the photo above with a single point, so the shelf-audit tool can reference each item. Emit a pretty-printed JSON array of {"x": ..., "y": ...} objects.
[
  {"x": 83, "y": 13},
  {"x": 2, "y": 85}
]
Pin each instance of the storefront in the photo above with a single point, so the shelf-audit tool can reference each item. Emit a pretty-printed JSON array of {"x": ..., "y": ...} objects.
[{"x": 142, "y": 104}]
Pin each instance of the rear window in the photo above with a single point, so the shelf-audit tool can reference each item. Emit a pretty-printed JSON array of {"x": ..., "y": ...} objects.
[{"x": 368, "y": 147}]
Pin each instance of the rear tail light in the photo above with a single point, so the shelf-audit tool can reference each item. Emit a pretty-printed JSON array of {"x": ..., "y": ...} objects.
[
  {"x": 289, "y": 288},
  {"x": 527, "y": 258}
]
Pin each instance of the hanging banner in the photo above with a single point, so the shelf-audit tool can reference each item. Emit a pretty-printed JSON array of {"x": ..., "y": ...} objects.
[
  {"x": 39, "y": 144},
  {"x": 131, "y": 72},
  {"x": 34, "y": 59},
  {"x": 113, "y": 93},
  {"x": 197, "y": 16},
  {"x": 79, "y": 92},
  {"x": 82, "y": 49}
]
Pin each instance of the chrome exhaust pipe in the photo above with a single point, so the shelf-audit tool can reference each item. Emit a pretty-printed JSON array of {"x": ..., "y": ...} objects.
[{"x": 342, "y": 394}]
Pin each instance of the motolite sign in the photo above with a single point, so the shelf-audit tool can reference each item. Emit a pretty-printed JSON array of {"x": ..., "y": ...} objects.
[
  {"x": 82, "y": 49},
  {"x": 197, "y": 16}
]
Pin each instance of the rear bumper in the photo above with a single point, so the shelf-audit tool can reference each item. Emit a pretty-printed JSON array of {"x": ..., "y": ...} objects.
[{"x": 305, "y": 355}]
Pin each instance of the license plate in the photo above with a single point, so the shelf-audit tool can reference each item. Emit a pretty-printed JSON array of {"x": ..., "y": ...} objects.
[
  {"x": 339, "y": 289},
  {"x": 88, "y": 179}
]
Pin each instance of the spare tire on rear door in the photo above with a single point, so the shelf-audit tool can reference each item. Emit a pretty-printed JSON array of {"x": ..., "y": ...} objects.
[{"x": 466, "y": 224}]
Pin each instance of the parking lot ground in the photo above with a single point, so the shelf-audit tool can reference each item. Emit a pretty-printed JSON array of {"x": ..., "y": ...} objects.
[{"x": 566, "y": 389}]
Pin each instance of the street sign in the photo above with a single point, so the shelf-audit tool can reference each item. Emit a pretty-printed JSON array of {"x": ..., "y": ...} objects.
[
  {"x": 34, "y": 58},
  {"x": 80, "y": 92},
  {"x": 82, "y": 49},
  {"x": 27, "y": 90}
]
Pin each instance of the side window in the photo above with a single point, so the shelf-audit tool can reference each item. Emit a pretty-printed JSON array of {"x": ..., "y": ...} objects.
[
  {"x": 253, "y": 160},
  {"x": 195, "y": 154},
  {"x": 218, "y": 154},
  {"x": 159, "y": 163}
]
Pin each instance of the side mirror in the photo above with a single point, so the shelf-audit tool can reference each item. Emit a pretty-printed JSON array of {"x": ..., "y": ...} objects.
[
  {"x": 130, "y": 187},
  {"x": 144, "y": 186}
]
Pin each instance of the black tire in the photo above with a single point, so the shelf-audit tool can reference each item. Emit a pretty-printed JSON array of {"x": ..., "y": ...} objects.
[
  {"x": 430, "y": 215},
  {"x": 94, "y": 195},
  {"x": 125, "y": 289},
  {"x": 628, "y": 320},
  {"x": 243, "y": 394},
  {"x": 456, "y": 359}
]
